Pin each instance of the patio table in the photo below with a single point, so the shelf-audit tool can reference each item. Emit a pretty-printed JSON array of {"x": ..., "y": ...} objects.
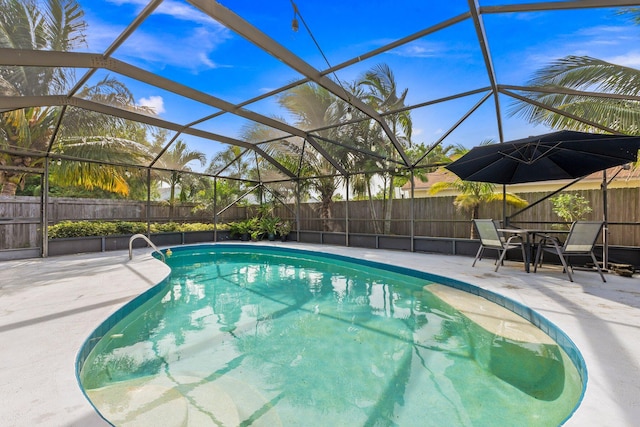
[{"x": 529, "y": 240}]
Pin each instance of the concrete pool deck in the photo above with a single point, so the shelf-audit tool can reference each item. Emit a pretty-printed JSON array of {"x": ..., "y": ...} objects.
[{"x": 48, "y": 307}]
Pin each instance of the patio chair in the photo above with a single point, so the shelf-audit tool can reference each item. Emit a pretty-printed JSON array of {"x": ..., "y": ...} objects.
[
  {"x": 498, "y": 224},
  {"x": 580, "y": 241},
  {"x": 490, "y": 239}
]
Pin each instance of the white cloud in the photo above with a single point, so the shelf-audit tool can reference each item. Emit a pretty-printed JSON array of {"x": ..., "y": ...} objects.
[
  {"x": 631, "y": 59},
  {"x": 100, "y": 34},
  {"x": 206, "y": 61},
  {"x": 171, "y": 8},
  {"x": 190, "y": 51},
  {"x": 189, "y": 48},
  {"x": 154, "y": 102},
  {"x": 420, "y": 49}
]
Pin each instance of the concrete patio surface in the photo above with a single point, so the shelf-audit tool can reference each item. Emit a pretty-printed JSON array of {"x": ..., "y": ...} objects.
[{"x": 48, "y": 307}]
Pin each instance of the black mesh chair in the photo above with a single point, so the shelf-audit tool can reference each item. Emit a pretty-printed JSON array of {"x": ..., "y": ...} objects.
[
  {"x": 580, "y": 241},
  {"x": 490, "y": 238}
]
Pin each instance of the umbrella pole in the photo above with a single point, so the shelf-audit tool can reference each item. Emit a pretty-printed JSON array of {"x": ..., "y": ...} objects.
[
  {"x": 504, "y": 206},
  {"x": 605, "y": 229}
]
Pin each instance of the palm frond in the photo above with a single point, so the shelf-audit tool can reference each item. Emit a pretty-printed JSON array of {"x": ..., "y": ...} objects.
[
  {"x": 584, "y": 74},
  {"x": 89, "y": 176}
]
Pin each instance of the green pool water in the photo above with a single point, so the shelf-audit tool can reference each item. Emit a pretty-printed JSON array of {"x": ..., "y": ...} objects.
[{"x": 242, "y": 336}]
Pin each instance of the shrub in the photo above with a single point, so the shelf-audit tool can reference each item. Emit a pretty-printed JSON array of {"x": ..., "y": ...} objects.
[
  {"x": 81, "y": 229},
  {"x": 98, "y": 228},
  {"x": 570, "y": 206},
  {"x": 249, "y": 226},
  {"x": 197, "y": 226},
  {"x": 167, "y": 227},
  {"x": 123, "y": 227}
]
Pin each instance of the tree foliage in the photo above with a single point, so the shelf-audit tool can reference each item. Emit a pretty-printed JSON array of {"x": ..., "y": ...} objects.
[
  {"x": 570, "y": 206},
  {"x": 599, "y": 82},
  {"x": 59, "y": 25},
  {"x": 552, "y": 86}
]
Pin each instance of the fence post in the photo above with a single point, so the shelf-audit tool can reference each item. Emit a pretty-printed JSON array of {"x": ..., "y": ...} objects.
[
  {"x": 44, "y": 209},
  {"x": 346, "y": 213},
  {"x": 215, "y": 208},
  {"x": 412, "y": 213},
  {"x": 298, "y": 210},
  {"x": 148, "y": 202}
]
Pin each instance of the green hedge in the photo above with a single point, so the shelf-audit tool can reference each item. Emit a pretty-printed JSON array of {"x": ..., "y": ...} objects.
[{"x": 96, "y": 228}]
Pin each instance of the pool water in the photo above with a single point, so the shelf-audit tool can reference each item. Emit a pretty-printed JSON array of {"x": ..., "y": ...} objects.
[{"x": 244, "y": 335}]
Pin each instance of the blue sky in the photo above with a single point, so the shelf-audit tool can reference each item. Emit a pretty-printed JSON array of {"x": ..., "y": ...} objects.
[{"x": 181, "y": 43}]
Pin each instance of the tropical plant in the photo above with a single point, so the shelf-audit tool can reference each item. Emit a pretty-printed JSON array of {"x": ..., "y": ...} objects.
[
  {"x": 314, "y": 108},
  {"x": 427, "y": 158},
  {"x": 471, "y": 195},
  {"x": 106, "y": 175},
  {"x": 570, "y": 206},
  {"x": 381, "y": 93},
  {"x": 555, "y": 82},
  {"x": 283, "y": 228},
  {"x": 176, "y": 160},
  {"x": 554, "y": 85},
  {"x": 28, "y": 129},
  {"x": 269, "y": 225},
  {"x": 56, "y": 25},
  {"x": 232, "y": 165},
  {"x": 245, "y": 228}
]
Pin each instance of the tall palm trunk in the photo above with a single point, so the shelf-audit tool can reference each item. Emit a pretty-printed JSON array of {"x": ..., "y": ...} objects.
[
  {"x": 9, "y": 187},
  {"x": 388, "y": 208},
  {"x": 172, "y": 194},
  {"x": 325, "y": 214},
  {"x": 372, "y": 208}
]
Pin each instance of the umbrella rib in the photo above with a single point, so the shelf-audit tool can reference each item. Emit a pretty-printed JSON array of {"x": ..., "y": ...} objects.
[{"x": 532, "y": 159}]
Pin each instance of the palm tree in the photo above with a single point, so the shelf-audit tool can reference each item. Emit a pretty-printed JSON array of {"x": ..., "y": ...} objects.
[
  {"x": 314, "y": 107},
  {"x": 286, "y": 151},
  {"x": 28, "y": 129},
  {"x": 89, "y": 175},
  {"x": 473, "y": 194},
  {"x": 55, "y": 25},
  {"x": 230, "y": 160},
  {"x": 176, "y": 161},
  {"x": 232, "y": 163},
  {"x": 58, "y": 25},
  {"x": 584, "y": 73},
  {"x": 109, "y": 140},
  {"x": 381, "y": 92}
]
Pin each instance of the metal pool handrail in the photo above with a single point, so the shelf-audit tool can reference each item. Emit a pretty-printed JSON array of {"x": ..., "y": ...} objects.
[{"x": 145, "y": 238}]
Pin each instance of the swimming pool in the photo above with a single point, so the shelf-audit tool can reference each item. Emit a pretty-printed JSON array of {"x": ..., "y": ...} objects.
[{"x": 248, "y": 335}]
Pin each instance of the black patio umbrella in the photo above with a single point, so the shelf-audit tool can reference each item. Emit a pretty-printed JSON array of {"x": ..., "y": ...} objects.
[
  {"x": 553, "y": 156},
  {"x": 558, "y": 155}
]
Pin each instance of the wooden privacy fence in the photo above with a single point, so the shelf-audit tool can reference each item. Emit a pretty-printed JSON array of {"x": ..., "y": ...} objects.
[
  {"x": 20, "y": 216},
  {"x": 438, "y": 217},
  {"x": 433, "y": 216}
]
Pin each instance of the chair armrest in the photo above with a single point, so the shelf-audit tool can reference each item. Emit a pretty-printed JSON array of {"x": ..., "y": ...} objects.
[
  {"x": 515, "y": 236},
  {"x": 550, "y": 244},
  {"x": 545, "y": 238}
]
